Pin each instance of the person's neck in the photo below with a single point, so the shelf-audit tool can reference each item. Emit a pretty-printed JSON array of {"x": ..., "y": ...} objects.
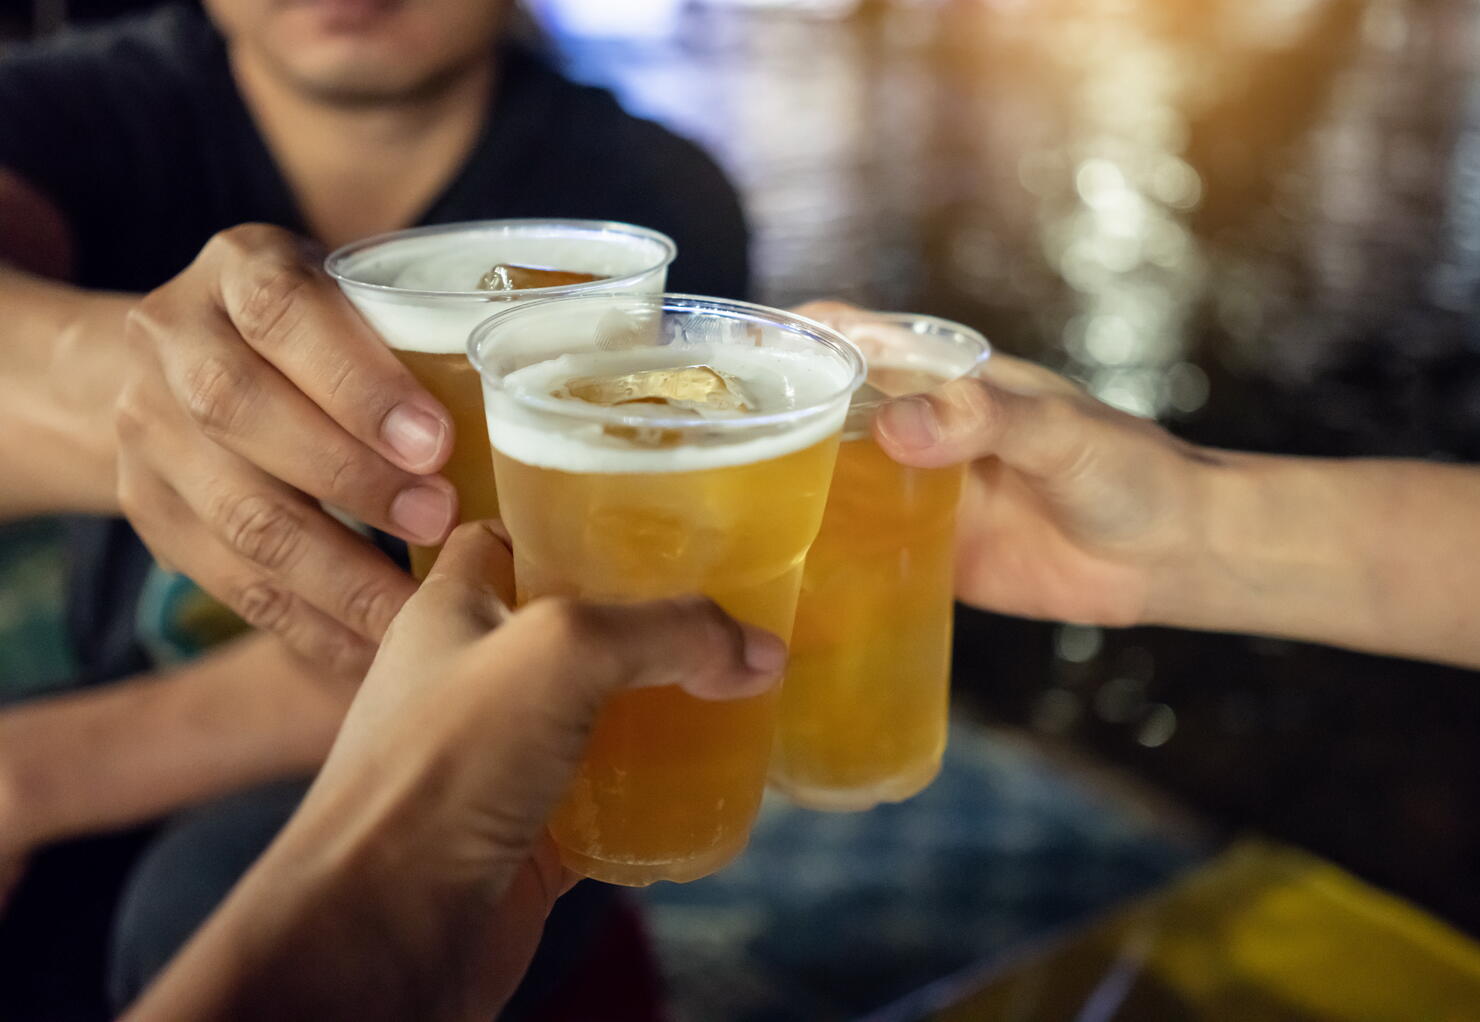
[{"x": 362, "y": 170}]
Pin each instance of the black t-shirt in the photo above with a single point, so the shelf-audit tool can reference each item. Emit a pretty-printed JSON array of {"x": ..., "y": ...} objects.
[{"x": 138, "y": 134}]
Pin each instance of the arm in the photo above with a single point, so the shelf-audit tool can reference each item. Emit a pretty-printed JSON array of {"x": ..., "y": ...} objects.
[
  {"x": 414, "y": 880},
  {"x": 217, "y": 412},
  {"x": 1075, "y": 511},
  {"x": 118, "y": 755},
  {"x": 1366, "y": 554},
  {"x": 60, "y": 367}
]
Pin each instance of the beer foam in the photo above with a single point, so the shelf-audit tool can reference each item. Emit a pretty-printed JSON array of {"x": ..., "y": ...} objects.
[
  {"x": 431, "y": 311},
  {"x": 778, "y": 381}
]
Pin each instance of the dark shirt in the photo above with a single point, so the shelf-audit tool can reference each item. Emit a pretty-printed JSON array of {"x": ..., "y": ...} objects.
[{"x": 138, "y": 134}]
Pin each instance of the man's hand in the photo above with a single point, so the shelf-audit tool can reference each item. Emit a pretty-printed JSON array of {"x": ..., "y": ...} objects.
[
  {"x": 415, "y": 878},
  {"x": 255, "y": 392},
  {"x": 1072, "y": 510}
]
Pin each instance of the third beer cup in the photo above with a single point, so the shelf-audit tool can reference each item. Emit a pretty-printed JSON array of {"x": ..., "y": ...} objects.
[
  {"x": 864, "y": 705},
  {"x": 652, "y": 447},
  {"x": 423, "y": 290}
]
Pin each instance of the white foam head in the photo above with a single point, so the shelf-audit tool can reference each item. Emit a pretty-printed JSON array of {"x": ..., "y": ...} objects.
[
  {"x": 418, "y": 289},
  {"x": 799, "y": 386}
]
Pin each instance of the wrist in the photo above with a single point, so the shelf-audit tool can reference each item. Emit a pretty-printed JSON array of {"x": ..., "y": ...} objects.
[
  {"x": 353, "y": 906},
  {"x": 87, "y": 361},
  {"x": 1200, "y": 583},
  {"x": 1270, "y": 552}
]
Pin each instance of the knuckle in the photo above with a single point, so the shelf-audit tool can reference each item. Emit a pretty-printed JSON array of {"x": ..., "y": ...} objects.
[
  {"x": 721, "y": 634},
  {"x": 1061, "y": 427},
  {"x": 561, "y": 617},
  {"x": 128, "y": 493},
  {"x": 263, "y": 605},
  {"x": 341, "y": 655},
  {"x": 339, "y": 376},
  {"x": 569, "y": 624},
  {"x": 345, "y": 475},
  {"x": 262, "y": 529},
  {"x": 368, "y": 608},
  {"x": 267, "y": 313},
  {"x": 143, "y": 318},
  {"x": 466, "y": 534},
  {"x": 243, "y": 239},
  {"x": 977, "y": 402},
  {"x": 1059, "y": 410},
  {"x": 130, "y": 420},
  {"x": 968, "y": 407},
  {"x": 217, "y": 395}
]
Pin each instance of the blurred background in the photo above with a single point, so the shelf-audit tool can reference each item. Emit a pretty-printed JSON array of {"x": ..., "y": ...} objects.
[{"x": 1257, "y": 220}]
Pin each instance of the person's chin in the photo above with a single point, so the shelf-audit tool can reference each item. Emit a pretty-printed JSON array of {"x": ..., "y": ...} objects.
[{"x": 357, "y": 82}]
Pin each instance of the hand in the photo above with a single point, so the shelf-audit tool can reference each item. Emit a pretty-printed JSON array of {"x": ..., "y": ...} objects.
[
  {"x": 415, "y": 878},
  {"x": 1072, "y": 510},
  {"x": 254, "y": 392}
]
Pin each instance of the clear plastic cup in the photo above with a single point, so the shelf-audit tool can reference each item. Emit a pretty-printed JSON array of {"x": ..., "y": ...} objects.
[
  {"x": 419, "y": 290},
  {"x": 649, "y": 500}
]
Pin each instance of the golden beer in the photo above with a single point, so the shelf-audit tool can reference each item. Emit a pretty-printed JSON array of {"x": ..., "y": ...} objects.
[
  {"x": 424, "y": 290},
  {"x": 864, "y": 708},
  {"x": 452, "y": 381},
  {"x": 636, "y": 502}
]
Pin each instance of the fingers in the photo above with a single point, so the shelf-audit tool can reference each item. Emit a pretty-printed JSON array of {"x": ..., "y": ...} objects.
[
  {"x": 215, "y": 385},
  {"x": 473, "y": 576},
  {"x": 248, "y": 590},
  {"x": 290, "y": 312},
  {"x": 1040, "y": 435},
  {"x": 276, "y": 536},
  {"x": 1024, "y": 377},
  {"x": 689, "y": 642},
  {"x": 237, "y": 400}
]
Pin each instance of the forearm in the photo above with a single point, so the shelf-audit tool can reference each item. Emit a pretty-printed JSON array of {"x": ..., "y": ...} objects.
[
  {"x": 335, "y": 921},
  {"x": 128, "y": 752},
  {"x": 1366, "y": 554},
  {"x": 60, "y": 364}
]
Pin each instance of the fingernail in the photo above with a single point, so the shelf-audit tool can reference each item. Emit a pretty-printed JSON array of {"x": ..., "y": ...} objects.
[
  {"x": 764, "y": 652},
  {"x": 424, "y": 513},
  {"x": 910, "y": 422},
  {"x": 413, "y": 433}
]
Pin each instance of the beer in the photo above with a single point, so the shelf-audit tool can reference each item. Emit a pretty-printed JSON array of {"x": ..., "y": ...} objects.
[
  {"x": 424, "y": 290},
  {"x": 864, "y": 708},
  {"x": 641, "y": 496},
  {"x": 452, "y": 381}
]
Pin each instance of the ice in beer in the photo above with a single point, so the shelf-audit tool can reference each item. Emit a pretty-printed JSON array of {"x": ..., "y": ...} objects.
[
  {"x": 649, "y": 448},
  {"x": 864, "y": 707},
  {"x": 424, "y": 290}
]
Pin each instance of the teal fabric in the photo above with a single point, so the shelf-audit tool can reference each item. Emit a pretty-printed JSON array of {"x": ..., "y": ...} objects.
[{"x": 35, "y": 656}]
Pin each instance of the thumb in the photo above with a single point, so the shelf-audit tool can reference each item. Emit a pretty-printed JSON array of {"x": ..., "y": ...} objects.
[
  {"x": 592, "y": 651},
  {"x": 1042, "y": 435},
  {"x": 563, "y": 661},
  {"x": 688, "y": 642},
  {"x": 470, "y": 589}
]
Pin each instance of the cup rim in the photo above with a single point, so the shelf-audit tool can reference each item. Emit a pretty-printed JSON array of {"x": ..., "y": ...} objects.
[
  {"x": 751, "y": 312},
  {"x": 914, "y": 322},
  {"x": 335, "y": 262}
]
